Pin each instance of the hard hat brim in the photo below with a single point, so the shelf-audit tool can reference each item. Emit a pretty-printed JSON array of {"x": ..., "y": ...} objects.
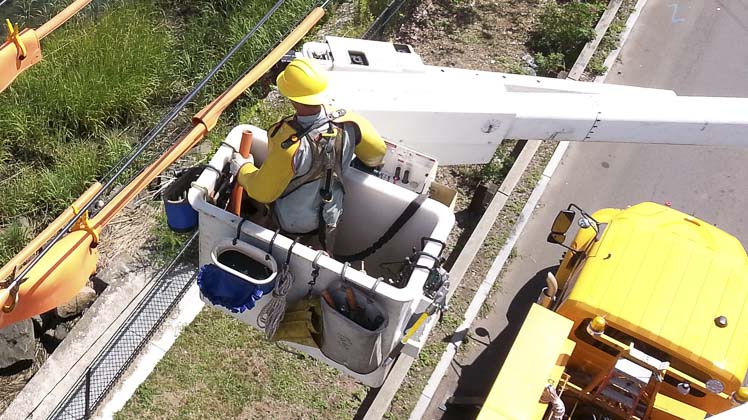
[{"x": 316, "y": 99}]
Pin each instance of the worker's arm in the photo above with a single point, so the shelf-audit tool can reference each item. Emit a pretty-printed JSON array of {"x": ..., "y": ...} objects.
[
  {"x": 370, "y": 147},
  {"x": 266, "y": 183}
]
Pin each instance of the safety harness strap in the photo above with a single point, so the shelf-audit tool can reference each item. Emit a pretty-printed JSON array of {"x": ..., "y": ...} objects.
[
  {"x": 404, "y": 217},
  {"x": 322, "y": 228}
]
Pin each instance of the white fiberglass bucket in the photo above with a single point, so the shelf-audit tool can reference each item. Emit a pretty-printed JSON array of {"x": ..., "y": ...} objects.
[{"x": 371, "y": 206}]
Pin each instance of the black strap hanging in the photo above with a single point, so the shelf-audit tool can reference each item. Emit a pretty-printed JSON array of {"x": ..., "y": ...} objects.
[
  {"x": 238, "y": 231},
  {"x": 404, "y": 217}
]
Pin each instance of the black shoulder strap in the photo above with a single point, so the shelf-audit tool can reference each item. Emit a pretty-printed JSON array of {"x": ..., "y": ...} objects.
[
  {"x": 406, "y": 215},
  {"x": 290, "y": 120}
]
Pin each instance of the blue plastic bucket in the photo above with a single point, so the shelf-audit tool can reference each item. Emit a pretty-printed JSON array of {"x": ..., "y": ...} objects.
[
  {"x": 180, "y": 216},
  {"x": 239, "y": 276}
]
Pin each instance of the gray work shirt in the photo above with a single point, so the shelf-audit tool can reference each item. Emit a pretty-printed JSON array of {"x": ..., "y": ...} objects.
[{"x": 298, "y": 211}]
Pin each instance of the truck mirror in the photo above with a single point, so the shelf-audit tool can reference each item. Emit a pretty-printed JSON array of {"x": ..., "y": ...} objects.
[
  {"x": 563, "y": 222},
  {"x": 556, "y": 238}
]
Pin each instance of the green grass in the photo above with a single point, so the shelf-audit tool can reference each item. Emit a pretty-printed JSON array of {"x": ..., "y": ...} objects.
[
  {"x": 57, "y": 132},
  {"x": 561, "y": 32},
  {"x": 207, "y": 29},
  {"x": 94, "y": 76},
  {"x": 13, "y": 238},
  {"x": 496, "y": 169},
  {"x": 219, "y": 368},
  {"x": 108, "y": 76},
  {"x": 167, "y": 242}
]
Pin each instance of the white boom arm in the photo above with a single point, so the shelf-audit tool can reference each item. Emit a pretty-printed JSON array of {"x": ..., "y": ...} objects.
[{"x": 461, "y": 116}]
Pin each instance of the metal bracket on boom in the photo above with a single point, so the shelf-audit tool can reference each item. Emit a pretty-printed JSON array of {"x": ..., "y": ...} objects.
[
  {"x": 84, "y": 223},
  {"x": 13, "y": 37},
  {"x": 10, "y": 292}
]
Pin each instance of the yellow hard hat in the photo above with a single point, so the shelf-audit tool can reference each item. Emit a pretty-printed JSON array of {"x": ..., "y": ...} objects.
[{"x": 303, "y": 81}]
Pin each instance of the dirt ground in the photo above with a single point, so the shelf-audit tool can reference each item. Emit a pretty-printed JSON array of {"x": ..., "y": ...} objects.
[
  {"x": 487, "y": 35},
  {"x": 477, "y": 34}
]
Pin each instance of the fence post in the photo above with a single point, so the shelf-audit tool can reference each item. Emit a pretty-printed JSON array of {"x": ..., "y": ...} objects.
[{"x": 87, "y": 414}]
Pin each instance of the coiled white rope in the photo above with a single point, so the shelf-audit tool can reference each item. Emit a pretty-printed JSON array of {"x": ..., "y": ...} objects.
[{"x": 271, "y": 314}]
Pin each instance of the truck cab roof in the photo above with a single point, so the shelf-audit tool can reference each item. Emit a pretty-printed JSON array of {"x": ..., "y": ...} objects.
[{"x": 665, "y": 277}]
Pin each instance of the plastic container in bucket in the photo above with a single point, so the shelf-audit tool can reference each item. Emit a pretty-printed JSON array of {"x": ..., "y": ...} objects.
[
  {"x": 239, "y": 275},
  {"x": 354, "y": 341},
  {"x": 180, "y": 216}
]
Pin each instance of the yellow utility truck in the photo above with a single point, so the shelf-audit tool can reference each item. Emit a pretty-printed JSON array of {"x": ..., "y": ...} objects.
[{"x": 645, "y": 318}]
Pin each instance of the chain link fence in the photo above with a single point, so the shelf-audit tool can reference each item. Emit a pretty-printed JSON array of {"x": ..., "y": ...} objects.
[{"x": 113, "y": 360}]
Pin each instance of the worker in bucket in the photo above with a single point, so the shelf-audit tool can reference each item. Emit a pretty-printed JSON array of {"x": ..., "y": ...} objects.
[{"x": 301, "y": 179}]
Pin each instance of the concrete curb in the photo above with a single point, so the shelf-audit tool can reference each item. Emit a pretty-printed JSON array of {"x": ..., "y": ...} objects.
[
  {"x": 610, "y": 60},
  {"x": 471, "y": 313}
]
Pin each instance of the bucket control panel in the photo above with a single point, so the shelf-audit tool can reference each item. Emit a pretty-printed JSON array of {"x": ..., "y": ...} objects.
[{"x": 407, "y": 168}]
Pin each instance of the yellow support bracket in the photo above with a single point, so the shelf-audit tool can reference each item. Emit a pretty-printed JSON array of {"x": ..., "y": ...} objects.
[
  {"x": 13, "y": 37},
  {"x": 9, "y": 293},
  {"x": 84, "y": 223}
]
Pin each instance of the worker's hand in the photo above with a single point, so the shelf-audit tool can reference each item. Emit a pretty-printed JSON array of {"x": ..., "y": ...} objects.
[
  {"x": 361, "y": 166},
  {"x": 237, "y": 161}
]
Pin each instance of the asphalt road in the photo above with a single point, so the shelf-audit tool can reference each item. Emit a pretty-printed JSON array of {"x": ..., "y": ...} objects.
[{"x": 697, "y": 47}]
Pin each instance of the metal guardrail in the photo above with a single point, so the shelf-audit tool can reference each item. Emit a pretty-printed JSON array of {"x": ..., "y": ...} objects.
[{"x": 113, "y": 360}]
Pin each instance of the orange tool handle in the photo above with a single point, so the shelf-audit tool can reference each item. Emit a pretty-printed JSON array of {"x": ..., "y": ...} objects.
[
  {"x": 235, "y": 202},
  {"x": 61, "y": 18},
  {"x": 351, "y": 299},
  {"x": 328, "y": 298}
]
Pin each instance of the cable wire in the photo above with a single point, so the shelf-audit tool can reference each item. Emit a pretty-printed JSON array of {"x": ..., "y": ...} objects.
[
  {"x": 148, "y": 139},
  {"x": 383, "y": 18}
]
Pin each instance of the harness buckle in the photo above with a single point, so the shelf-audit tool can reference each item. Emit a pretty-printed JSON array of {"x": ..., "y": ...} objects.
[{"x": 329, "y": 134}]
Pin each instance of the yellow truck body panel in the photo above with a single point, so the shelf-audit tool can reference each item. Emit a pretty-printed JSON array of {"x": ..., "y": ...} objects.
[
  {"x": 666, "y": 408},
  {"x": 664, "y": 277},
  {"x": 536, "y": 359}
]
